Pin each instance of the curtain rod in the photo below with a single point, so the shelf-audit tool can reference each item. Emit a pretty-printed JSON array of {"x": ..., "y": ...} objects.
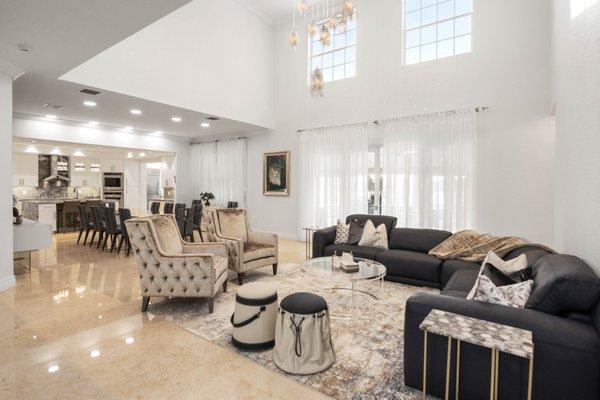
[
  {"x": 477, "y": 109},
  {"x": 218, "y": 140}
]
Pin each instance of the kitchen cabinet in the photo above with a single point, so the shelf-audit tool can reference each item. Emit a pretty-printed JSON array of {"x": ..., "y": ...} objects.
[
  {"x": 132, "y": 186},
  {"x": 86, "y": 178},
  {"x": 25, "y": 170},
  {"x": 112, "y": 165},
  {"x": 47, "y": 215}
]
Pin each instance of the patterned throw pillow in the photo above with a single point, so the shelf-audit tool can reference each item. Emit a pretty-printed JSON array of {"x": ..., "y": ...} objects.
[
  {"x": 376, "y": 237},
  {"x": 502, "y": 272},
  {"x": 341, "y": 232},
  {"x": 510, "y": 295}
]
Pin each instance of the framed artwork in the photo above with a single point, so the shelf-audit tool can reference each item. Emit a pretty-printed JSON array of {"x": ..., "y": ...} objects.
[{"x": 276, "y": 174}]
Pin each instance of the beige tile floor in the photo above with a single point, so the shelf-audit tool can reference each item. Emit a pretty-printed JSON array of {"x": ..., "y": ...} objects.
[{"x": 72, "y": 329}]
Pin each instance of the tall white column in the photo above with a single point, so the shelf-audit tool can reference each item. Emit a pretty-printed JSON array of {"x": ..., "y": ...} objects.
[{"x": 7, "y": 73}]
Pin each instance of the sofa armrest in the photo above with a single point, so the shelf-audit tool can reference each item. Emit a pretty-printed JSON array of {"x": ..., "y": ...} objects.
[
  {"x": 321, "y": 239},
  {"x": 269, "y": 239},
  {"x": 565, "y": 351},
  {"x": 214, "y": 248}
]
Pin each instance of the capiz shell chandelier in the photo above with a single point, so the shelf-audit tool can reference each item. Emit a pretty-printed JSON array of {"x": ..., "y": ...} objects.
[{"x": 325, "y": 19}]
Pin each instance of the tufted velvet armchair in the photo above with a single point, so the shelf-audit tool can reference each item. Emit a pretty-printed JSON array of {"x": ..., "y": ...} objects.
[
  {"x": 171, "y": 267},
  {"x": 247, "y": 250}
]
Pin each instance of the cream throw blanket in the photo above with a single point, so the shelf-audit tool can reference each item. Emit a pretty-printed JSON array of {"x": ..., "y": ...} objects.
[{"x": 472, "y": 246}]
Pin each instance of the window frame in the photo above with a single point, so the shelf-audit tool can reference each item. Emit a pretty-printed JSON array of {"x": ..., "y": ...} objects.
[
  {"x": 332, "y": 51},
  {"x": 405, "y": 32}
]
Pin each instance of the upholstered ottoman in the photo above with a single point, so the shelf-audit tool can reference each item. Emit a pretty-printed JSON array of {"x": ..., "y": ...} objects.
[
  {"x": 302, "y": 335},
  {"x": 254, "y": 317}
]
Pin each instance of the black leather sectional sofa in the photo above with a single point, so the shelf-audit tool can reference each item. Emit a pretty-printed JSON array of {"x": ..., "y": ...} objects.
[{"x": 563, "y": 313}]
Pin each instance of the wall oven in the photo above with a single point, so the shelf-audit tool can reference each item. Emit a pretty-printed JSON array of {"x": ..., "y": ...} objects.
[{"x": 112, "y": 181}]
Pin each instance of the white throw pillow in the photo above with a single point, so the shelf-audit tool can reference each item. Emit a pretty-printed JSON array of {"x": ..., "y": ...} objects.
[
  {"x": 376, "y": 237},
  {"x": 510, "y": 295},
  {"x": 341, "y": 232},
  {"x": 506, "y": 267}
]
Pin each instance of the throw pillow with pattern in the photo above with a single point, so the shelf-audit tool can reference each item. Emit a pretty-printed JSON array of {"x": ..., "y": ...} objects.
[
  {"x": 510, "y": 295},
  {"x": 341, "y": 232},
  {"x": 502, "y": 272},
  {"x": 376, "y": 237}
]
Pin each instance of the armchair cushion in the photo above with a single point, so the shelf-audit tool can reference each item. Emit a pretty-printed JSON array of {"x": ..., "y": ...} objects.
[
  {"x": 233, "y": 223},
  {"x": 255, "y": 251},
  {"x": 168, "y": 235}
]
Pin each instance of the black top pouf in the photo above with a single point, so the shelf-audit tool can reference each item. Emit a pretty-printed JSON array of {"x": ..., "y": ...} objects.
[{"x": 303, "y": 303}]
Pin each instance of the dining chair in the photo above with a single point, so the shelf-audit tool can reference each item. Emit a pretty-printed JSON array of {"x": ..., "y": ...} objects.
[
  {"x": 113, "y": 230},
  {"x": 155, "y": 208},
  {"x": 84, "y": 224},
  {"x": 124, "y": 215},
  {"x": 232, "y": 204},
  {"x": 98, "y": 224},
  {"x": 168, "y": 208}
]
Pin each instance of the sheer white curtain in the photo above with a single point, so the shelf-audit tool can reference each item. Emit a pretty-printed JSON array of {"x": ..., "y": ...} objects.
[
  {"x": 429, "y": 171},
  {"x": 220, "y": 168},
  {"x": 334, "y": 172}
]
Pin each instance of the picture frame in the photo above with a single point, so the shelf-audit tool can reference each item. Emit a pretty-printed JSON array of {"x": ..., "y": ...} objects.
[{"x": 276, "y": 173}]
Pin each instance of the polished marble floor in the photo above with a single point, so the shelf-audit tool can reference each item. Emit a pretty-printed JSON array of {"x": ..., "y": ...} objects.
[{"x": 72, "y": 329}]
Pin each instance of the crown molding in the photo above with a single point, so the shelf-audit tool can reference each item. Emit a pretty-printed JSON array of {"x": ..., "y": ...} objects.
[{"x": 10, "y": 69}]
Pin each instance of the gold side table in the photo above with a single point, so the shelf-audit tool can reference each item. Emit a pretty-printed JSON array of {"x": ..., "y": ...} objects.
[
  {"x": 308, "y": 236},
  {"x": 496, "y": 337}
]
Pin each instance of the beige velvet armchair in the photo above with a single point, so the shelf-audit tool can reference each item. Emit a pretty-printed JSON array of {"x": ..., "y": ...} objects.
[
  {"x": 171, "y": 267},
  {"x": 247, "y": 250}
]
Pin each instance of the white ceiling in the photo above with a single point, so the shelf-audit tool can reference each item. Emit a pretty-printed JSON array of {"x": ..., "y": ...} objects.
[
  {"x": 273, "y": 11},
  {"x": 62, "y": 34}
]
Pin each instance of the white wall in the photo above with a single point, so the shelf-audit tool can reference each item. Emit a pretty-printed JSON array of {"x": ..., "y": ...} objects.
[
  {"x": 43, "y": 130},
  {"x": 7, "y": 277},
  {"x": 508, "y": 70},
  {"x": 577, "y": 96},
  {"x": 215, "y": 57}
]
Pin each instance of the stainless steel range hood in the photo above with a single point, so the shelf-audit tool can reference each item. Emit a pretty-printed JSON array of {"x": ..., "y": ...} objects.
[{"x": 57, "y": 164}]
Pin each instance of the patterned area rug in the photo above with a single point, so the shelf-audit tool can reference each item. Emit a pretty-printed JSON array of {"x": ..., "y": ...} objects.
[{"x": 368, "y": 348}]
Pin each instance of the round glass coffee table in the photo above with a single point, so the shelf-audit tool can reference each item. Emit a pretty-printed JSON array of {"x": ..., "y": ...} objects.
[{"x": 368, "y": 270}]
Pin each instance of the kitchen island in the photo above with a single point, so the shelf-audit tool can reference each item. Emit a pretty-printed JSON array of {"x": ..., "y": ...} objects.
[{"x": 49, "y": 211}]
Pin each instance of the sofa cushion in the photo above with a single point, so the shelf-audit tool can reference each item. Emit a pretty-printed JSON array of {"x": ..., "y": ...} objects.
[
  {"x": 232, "y": 222},
  {"x": 461, "y": 281},
  {"x": 168, "y": 234},
  {"x": 421, "y": 240},
  {"x": 388, "y": 221},
  {"x": 563, "y": 283},
  {"x": 411, "y": 264},
  {"x": 256, "y": 251},
  {"x": 451, "y": 266},
  {"x": 358, "y": 251}
]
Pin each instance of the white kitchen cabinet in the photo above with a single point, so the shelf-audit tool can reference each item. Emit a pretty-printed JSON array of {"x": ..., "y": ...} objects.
[
  {"x": 112, "y": 165},
  {"x": 77, "y": 178},
  {"x": 25, "y": 170},
  {"x": 47, "y": 214},
  {"x": 132, "y": 187}
]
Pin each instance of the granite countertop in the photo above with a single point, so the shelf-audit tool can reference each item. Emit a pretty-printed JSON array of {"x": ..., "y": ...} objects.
[{"x": 58, "y": 200}]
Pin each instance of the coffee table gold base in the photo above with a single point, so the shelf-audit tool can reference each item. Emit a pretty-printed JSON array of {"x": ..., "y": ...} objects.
[{"x": 494, "y": 368}]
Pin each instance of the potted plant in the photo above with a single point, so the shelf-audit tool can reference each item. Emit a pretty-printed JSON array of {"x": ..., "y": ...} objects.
[{"x": 206, "y": 197}]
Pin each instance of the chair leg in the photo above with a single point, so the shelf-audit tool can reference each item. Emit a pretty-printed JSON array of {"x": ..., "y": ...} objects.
[
  {"x": 275, "y": 269},
  {"x": 200, "y": 233},
  {"x": 87, "y": 232},
  {"x": 240, "y": 278},
  {"x": 100, "y": 239},
  {"x": 113, "y": 242},
  {"x": 128, "y": 247},
  {"x": 93, "y": 237},
  {"x": 106, "y": 235},
  {"x": 79, "y": 237},
  {"x": 145, "y": 302},
  {"x": 211, "y": 305},
  {"x": 225, "y": 286},
  {"x": 192, "y": 237},
  {"x": 121, "y": 240}
]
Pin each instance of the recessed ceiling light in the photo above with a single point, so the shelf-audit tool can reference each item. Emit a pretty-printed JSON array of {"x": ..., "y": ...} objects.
[
  {"x": 50, "y": 116},
  {"x": 176, "y": 119},
  {"x": 79, "y": 153},
  {"x": 142, "y": 154},
  {"x": 157, "y": 133},
  {"x": 128, "y": 129},
  {"x": 93, "y": 123},
  {"x": 89, "y": 103},
  {"x": 56, "y": 151},
  {"x": 135, "y": 111},
  {"x": 129, "y": 155},
  {"x": 205, "y": 124}
]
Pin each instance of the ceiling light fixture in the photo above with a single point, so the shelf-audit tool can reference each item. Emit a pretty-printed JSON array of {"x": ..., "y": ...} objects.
[
  {"x": 157, "y": 133},
  {"x": 78, "y": 153},
  {"x": 129, "y": 155},
  {"x": 142, "y": 154},
  {"x": 135, "y": 111},
  {"x": 89, "y": 103},
  {"x": 56, "y": 151},
  {"x": 93, "y": 123},
  {"x": 176, "y": 119},
  {"x": 205, "y": 125},
  {"x": 50, "y": 116},
  {"x": 128, "y": 129}
]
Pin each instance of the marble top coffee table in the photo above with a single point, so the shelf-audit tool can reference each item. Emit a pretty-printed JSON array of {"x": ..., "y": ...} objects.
[{"x": 496, "y": 337}]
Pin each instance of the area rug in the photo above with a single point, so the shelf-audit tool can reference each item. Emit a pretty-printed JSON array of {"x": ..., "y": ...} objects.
[{"x": 368, "y": 348}]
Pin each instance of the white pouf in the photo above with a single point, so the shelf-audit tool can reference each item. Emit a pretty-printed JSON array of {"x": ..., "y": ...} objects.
[
  {"x": 303, "y": 337},
  {"x": 254, "y": 317}
]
